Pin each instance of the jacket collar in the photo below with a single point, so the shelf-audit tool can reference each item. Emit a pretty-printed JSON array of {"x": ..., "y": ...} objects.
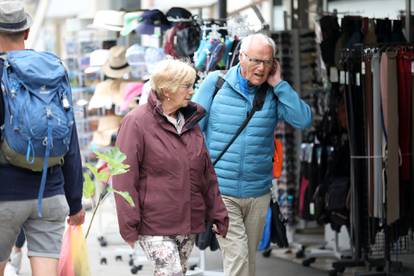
[
  {"x": 233, "y": 80},
  {"x": 192, "y": 113}
]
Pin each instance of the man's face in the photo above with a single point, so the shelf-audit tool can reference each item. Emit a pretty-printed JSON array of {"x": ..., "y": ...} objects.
[{"x": 257, "y": 62}]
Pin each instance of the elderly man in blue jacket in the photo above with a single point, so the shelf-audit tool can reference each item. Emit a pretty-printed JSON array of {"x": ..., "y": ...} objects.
[{"x": 245, "y": 170}]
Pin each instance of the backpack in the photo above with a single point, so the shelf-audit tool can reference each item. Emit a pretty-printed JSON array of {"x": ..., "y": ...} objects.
[{"x": 38, "y": 112}]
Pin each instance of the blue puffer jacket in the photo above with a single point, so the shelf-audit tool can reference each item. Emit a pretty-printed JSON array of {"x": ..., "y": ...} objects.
[{"x": 245, "y": 170}]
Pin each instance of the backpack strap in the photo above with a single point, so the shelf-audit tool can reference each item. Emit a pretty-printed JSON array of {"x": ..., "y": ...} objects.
[
  {"x": 258, "y": 102},
  {"x": 48, "y": 144}
]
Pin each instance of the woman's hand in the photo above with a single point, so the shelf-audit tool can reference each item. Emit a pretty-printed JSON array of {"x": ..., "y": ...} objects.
[{"x": 215, "y": 229}]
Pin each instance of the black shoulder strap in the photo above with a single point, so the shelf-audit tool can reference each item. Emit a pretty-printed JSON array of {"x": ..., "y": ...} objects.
[
  {"x": 258, "y": 102},
  {"x": 219, "y": 83}
]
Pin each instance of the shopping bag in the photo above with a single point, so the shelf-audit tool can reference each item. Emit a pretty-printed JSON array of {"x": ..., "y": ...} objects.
[
  {"x": 265, "y": 241},
  {"x": 74, "y": 256}
]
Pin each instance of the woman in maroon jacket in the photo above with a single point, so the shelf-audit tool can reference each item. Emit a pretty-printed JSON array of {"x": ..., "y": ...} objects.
[{"x": 171, "y": 178}]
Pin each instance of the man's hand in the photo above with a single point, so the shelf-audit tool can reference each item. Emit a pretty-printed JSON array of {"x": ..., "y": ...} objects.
[
  {"x": 274, "y": 75},
  {"x": 78, "y": 218}
]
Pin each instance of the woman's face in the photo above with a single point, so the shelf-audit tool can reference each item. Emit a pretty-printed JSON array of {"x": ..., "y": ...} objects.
[{"x": 182, "y": 96}]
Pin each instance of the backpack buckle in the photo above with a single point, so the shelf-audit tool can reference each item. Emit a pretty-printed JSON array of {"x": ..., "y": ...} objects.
[{"x": 44, "y": 143}]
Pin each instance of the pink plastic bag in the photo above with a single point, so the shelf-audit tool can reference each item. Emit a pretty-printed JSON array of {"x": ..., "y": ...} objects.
[{"x": 73, "y": 255}]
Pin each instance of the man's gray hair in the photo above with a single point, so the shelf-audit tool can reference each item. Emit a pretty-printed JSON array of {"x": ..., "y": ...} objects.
[{"x": 245, "y": 44}]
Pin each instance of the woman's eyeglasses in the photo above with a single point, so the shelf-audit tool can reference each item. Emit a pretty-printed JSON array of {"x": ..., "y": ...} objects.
[{"x": 187, "y": 85}]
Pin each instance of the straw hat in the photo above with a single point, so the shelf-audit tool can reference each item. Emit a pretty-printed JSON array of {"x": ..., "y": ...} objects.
[
  {"x": 106, "y": 94},
  {"x": 108, "y": 20},
  {"x": 117, "y": 66},
  {"x": 107, "y": 127},
  {"x": 96, "y": 60}
]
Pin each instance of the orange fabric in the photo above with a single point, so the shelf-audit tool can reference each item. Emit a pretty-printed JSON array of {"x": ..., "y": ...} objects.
[{"x": 278, "y": 159}]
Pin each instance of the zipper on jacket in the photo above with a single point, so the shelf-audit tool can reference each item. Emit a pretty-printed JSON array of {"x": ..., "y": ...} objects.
[{"x": 242, "y": 155}]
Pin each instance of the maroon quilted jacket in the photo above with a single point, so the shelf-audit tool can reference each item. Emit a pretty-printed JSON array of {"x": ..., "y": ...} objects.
[{"x": 171, "y": 178}]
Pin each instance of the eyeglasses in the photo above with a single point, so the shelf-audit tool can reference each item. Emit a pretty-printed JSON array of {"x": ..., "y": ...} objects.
[
  {"x": 257, "y": 62},
  {"x": 186, "y": 85}
]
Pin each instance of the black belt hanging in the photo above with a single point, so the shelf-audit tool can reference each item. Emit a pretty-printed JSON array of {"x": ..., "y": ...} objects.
[{"x": 258, "y": 101}]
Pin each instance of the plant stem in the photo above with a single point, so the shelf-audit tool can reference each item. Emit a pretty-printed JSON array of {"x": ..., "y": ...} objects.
[
  {"x": 93, "y": 215},
  {"x": 101, "y": 197}
]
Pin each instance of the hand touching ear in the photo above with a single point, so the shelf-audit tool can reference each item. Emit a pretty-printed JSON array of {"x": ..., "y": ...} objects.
[{"x": 274, "y": 75}]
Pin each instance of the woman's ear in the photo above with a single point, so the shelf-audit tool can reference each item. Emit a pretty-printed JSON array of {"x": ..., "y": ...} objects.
[{"x": 165, "y": 93}]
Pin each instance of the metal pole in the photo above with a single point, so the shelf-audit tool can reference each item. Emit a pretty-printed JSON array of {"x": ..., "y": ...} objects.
[
  {"x": 408, "y": 20},
  {"x": 222, "y": 9}
]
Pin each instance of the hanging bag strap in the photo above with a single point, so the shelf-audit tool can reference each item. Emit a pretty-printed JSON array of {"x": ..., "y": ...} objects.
[{"x": 258, "y": 101}]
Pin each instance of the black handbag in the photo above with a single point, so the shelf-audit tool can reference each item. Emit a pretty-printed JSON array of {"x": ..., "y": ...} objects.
[
  {"x": 278, "y": 226},
  {"x": 207, "y": 239}
]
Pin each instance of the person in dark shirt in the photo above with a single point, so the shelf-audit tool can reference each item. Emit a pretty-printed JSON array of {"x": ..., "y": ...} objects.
[{"x": 19, "y": 187}]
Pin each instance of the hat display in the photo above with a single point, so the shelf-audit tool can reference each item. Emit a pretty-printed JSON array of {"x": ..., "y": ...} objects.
[
  {"x": 116, "y": 66},
  {"x": 107, "y": 127},
  {"x": 131, "y": 22},
  {"x": 108, "y": 20},
  {"x": 135, "y": 56},
  {"x": 152, "y": 57},
  {"x": 13, "y": 18},
  {"x": 96, "y": 60},
  {"x": 178, "y": 14},
  {"x": 131, "y": 91},
  {"x": 151, "y": 20},
  {"x": 106, "y": 94}
]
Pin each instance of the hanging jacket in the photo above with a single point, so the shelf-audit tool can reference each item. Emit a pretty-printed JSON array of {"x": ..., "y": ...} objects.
[
  {"x": 245, "y": 170},
  {"x": 171, "y": 178}
]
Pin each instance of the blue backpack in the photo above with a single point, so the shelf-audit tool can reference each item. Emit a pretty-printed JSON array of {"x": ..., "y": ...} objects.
[{"x": 39, "y": 116}]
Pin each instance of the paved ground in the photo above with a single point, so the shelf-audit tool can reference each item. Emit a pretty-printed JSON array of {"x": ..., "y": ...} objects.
[{"x": 280, "y": 263}]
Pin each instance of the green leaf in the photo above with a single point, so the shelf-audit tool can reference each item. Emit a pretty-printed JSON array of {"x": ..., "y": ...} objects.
[
  {"x": 124, "y": 195},
  {"x": 99, "y": 176},
  {"x": 114, "y": 158},
  {"x": 88, "y": 186}
]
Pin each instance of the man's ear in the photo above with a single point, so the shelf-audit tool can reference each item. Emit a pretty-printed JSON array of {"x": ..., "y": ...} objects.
[{"x": 26, "y": 34}]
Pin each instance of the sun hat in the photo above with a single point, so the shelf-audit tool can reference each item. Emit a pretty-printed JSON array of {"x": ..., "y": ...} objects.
[
  {"x": 131, "y": 91},
  {"x": 131, "y": 22},
  {"x": 106, "y": 94},
  {"x": 13, "y": 18},
  {"x": 116, "y": 66},
  {"x": 153, "y": 20},
  {"x": 107, "y": 127},
  {"x": 108, "y": 20},
  {"x": 96, "y": 60}
]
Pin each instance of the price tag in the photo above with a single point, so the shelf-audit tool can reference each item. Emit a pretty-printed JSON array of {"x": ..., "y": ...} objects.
[
  {"x": 363, "y": 68},
  {"x": 312, "y": 208},
  {"x": 157, "y": 31},
  {"x": 358, "y": 79},
  {"x": 346, "y": 77},
  {"x": 342, "y": 77},
  {"x": 333, "y": 74}
]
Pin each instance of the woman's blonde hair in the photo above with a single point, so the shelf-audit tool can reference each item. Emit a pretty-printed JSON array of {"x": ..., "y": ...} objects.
[{"x": 169, "y": 74}]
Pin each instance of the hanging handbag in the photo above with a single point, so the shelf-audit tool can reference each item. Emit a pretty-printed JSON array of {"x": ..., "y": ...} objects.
[{"x": 278, "y": 227}]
